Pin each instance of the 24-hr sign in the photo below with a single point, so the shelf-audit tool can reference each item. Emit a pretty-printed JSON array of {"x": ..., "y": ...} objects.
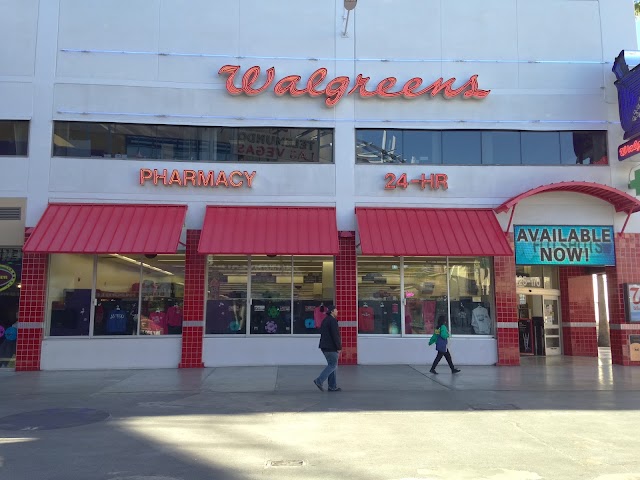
[{"x": 434, "y": 181}]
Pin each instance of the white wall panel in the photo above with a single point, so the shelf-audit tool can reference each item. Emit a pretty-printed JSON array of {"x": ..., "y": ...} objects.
[
  {"x": 559, "y": 30},
  {"x": 398, "y": 351},
  {"x": 117, "y": 25},
  {"x": 97, "y": 353},
  {"x": 17, "y": 100},
  {"x": 255, "y": 351},
  {"x": 15, "y": 174},
  {"x": 18, "y": 27}
]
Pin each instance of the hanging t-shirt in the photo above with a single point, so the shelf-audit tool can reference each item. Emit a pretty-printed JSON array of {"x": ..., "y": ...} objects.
[
  {"x": 116, "y": 322},
  {"x": 174, "y": 316},
  {"x": 318, "y": 315},
  {"x": 481, "y": 321},
  {"x": 429, "y": 315},
  {"x": 158, "y": 322},
  {"x": 365, "y": 319}
]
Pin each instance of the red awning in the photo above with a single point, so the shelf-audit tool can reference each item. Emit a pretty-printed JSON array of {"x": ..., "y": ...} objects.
[
  {"x": 113, "y": 228},
  {"x": 620, "y": 200},
  {"x": 269, "y": 231},
  {"x": 430, "y": 232}
]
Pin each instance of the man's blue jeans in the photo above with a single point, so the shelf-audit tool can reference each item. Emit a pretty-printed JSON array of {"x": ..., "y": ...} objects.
[{"x": 330, "y": 370}]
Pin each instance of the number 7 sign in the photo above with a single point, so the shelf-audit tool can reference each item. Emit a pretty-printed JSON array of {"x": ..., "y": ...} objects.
[{"x": 632, "y": 302}]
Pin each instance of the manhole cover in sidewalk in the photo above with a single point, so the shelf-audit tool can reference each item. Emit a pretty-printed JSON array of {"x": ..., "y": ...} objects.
[
  {"x": 494, "y": 406},
  {"x": 52, "y": 418}
]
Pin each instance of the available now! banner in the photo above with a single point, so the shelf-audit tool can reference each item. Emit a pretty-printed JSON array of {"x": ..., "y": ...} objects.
[{"x": 564, "y": 245}]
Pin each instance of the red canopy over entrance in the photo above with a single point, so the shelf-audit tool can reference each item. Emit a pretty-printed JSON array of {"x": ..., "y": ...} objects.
[{"x": 620, "y": 200}]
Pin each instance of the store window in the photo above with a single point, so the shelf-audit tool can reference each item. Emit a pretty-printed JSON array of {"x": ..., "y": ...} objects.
[
  {"x": 227, "y": 295},
  {"x": 14, "y": 138},
  {"x": 268, "y": 295},
  {"x": 192, "y": 143},
  {"x": 131, "y": 295},
  {"x": 379, "y": 295},
  {"x": 471, "y": 296},
  {"x": 313, "y": 292},
  {"x": 481, "y": 147},
  {"x": 460, "y": 289},
  {"x": 10, "y": 285},
  {"x": 69, "y": 294},
  {"x": 537, "y": 276},
  {"x": 425, "y": 292}
]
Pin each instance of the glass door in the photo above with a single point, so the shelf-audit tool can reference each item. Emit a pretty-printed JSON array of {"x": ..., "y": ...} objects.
[{"x": 552, "y": 339}]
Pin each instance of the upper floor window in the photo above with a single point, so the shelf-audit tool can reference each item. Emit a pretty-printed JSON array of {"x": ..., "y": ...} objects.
[
  {"x": 481, "y": 147},
  {"x": 192, "y": 144},
  {"x": 14, "y": 138}
]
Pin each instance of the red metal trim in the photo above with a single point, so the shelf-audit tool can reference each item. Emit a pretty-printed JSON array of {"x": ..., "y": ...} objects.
[
  {"x": 625, "y": 224},
  {"x": 621, "y": 201},
  {"x": 513, "y": 210}
]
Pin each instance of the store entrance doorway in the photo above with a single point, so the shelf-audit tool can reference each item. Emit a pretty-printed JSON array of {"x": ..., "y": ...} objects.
[{"x": 539, "y": 324}]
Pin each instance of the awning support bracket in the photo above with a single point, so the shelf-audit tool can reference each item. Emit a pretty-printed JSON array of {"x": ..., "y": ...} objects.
[
  {"x": 513, "y": 210},
  {"x": 625, "y": 223}
]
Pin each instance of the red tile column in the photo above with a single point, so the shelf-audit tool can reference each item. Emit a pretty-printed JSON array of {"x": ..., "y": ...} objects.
[
  {"x": 627, "y": 270},
  {"x": 346, "y": 301},
  {"x": 193, "y": 311},
  {"x": 506, "y": 309},
  {"x": 579, "y": 335},
  {"x": 31, "y": 312}
]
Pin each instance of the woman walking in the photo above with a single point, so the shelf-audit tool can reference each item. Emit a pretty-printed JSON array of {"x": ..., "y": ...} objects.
[{"x": 440, "y": 338}]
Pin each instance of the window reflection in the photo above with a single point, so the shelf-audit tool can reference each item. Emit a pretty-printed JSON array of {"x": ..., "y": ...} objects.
[
  {"x": 425, "y": 290},
  {"x": 379, "y": 295},
  {"x": 270, "y": 295},
  {"x": 475, "y": 147},
  {"x": 189, "y": 143},
  {"x": 313, "y": 292},
  {"x": 461, "y": 147},
  {"x": 121, "y": 281},
  {"x": 14, "y": 137},
  {"x": 459, "y": 289},
  {"x": 69, "y": 294},
  {"x": 227, "y": 295},
  {"x": 471, "y": 295},
  {"x": 162, "y": 291}
]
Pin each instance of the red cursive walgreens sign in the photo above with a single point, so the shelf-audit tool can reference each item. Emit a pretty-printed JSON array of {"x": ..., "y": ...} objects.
[{"x": 338, "y": 87}]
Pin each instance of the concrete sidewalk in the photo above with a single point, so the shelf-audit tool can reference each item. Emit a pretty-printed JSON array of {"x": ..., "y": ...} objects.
[{"x": 550, "y": 418}]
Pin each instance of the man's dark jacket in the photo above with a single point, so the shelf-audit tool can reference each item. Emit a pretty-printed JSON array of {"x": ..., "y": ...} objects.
[{"x": 330, "y": 335}]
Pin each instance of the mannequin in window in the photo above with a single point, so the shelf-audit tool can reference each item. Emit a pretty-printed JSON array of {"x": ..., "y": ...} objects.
[{"x": 480, "y": 320}]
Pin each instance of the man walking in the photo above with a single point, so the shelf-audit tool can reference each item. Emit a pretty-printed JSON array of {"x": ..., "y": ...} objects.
[{"x": 330, "y": 344}]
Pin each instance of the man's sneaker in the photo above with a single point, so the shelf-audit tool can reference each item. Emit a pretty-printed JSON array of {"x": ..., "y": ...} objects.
[
  {"x": 433, "y": 370},
  {"x": 338, "y": 389},
  {"x": 319, "y": 385},
  {"x": 455, "y": 370}
]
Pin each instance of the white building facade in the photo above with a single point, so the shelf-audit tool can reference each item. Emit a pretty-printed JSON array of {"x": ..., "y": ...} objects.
[{"x": 182, "y": 207}]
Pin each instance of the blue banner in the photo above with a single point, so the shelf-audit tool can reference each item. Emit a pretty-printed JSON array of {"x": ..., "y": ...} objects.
[{"x": 564, "y": 245}]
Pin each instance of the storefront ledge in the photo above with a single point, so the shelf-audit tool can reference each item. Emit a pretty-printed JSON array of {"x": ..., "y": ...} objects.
[
  {"x": 624, "y": 326},
  {"x": 193, "y": 323},
  {"x": 579, "y": 325},
  {"x": 26, "y": 325},
  {"x": 347, "y": 323},
  {"x": 114, "y": 337}
]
